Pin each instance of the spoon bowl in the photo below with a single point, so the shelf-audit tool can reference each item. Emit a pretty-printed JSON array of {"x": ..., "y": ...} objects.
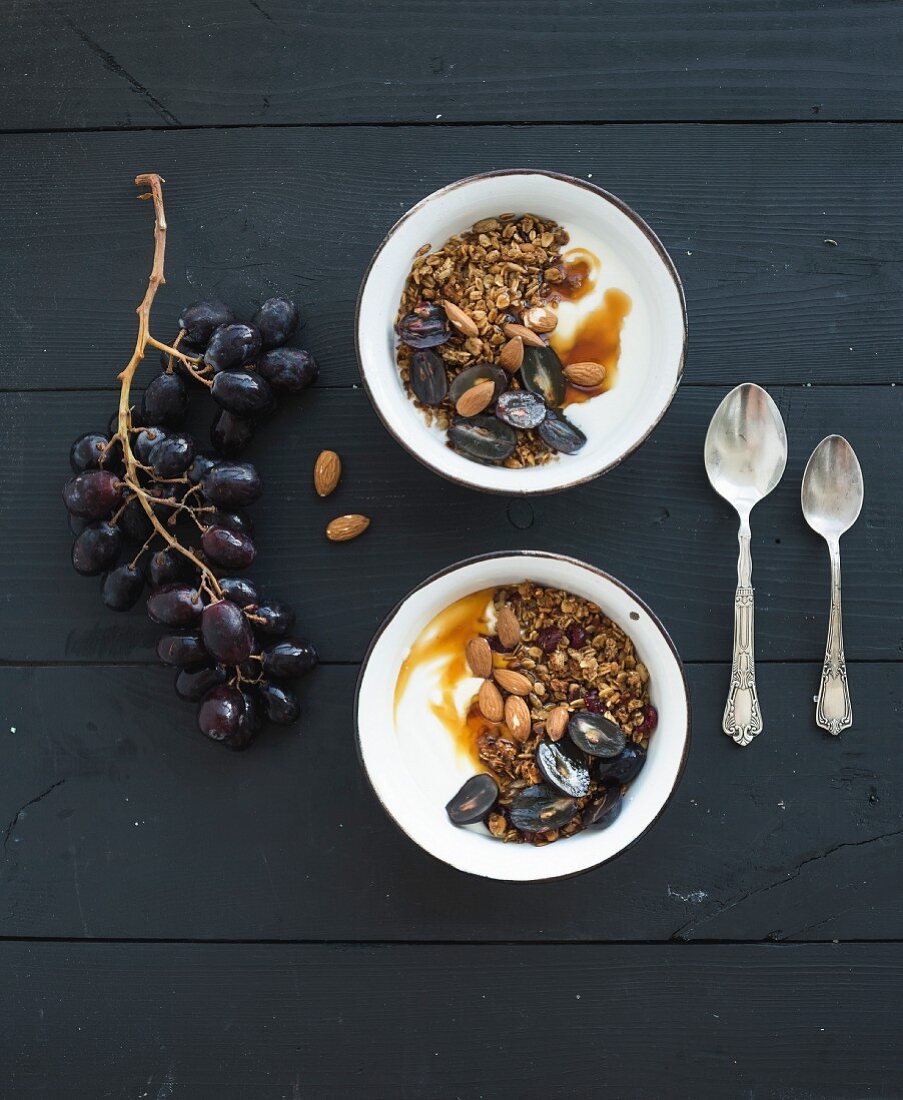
[
  {"x": 833, "y": 489},
  {"x": 746, "y": 447}
]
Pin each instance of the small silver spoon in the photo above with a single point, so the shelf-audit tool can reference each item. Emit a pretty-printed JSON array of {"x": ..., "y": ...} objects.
[
  {"x": 832, "y": 495},
  {"x": 745, "y": 456}
]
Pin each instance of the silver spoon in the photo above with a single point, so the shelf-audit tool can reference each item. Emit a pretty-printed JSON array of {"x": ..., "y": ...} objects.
[
  {"x": 745, "y": 456},
  {"x": 832, "y": 495}
]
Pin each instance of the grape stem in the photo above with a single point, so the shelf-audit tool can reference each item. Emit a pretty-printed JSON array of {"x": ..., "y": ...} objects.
[{"x": 154, "y": 182}]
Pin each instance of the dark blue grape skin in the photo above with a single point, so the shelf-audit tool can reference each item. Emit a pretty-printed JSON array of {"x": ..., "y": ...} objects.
[
  {"x": 165, "y": 401},
  {"x": 182, "y": 650},
  {"x": 145, "y": 441},
  {"x": 172, "y": 456},
  {"x": 175, "y": 605},
  {"x": 277, "y": 320},
  {"x": 230, "y": 549},
  {"x": 239, "y": 590},
  {"x": 253, "y": 709},
  {"x": 96, "y": 549},
  {"x": 201, "y": 319},
  {"x": 167, "y": 566},
  {"x": 230, "y": 434},
  {"x": 290, "y": 659},
  {"x": 288, "y": 370},
  {"x": 603, "y": 810},
  {"x": 232, "y": 346},
  {"x": 77, "y": 524},
  {"x": 93, "y": 494},
  {"x": 473, "y": 801},
  {"x": 135, "y": 522},
  {"x": 193, "y": 683},
  {"x": 242, "y": 392},
  {"x": 201, "y": 465},
  {"x": 232, "y": 484},
  {"x": 272, "y": 619},
  {"x": 222, "y": 716},
  {"x": 234, "y": 519},
  {"x": 87, "y": 452},
  {"x": 626, "y": 767},
  {"x": 122, "y": 587},
  {"x": 226, "y": 632},
  {"x": 279, "y": 703}
]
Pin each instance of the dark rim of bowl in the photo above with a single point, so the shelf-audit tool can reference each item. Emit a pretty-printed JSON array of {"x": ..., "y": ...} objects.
[
  {"x": 523, "y": 554},
  {"x": 602, "y": 193}
]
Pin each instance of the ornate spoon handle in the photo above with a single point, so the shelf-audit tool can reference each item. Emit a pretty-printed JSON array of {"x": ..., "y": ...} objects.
[
  {"x": 742, "y": 717},
  {"x": 833, "y": 711}
]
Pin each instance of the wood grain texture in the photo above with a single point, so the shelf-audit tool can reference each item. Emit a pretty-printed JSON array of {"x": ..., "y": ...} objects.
[
  {"x": 654, "y": 522},
  {"x": 326, "y": 1023},
  {"x": 224, "y": 62},
  {"x": 746, "y": 211},
  {"x": 119, "y": 820}
]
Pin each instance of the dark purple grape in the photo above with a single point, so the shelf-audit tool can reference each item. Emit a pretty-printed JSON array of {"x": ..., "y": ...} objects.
[
  {"x": 222, "y": 717},
  {"x": 186, "y": 347},
  {"x": 175, "y": 605},
  {"x": 231, "y": 549},
  {"x": 288, "y": 660},
  {"x": 604, "y": 810},
  {"x": 232, "y": 346},
  {"x": 226, "y": 632},
  {"x": 201, "y": 465},
  {"x": 194, "y": 683},
  {"x": 288, "y": 370},
  {"x": 626, "y": 767},
  {"x": 233, "y": 520},
  {"x": 277, "y": 320},
  {"x": 165, "y": 400},
  {"x": 96, "y": 549},
  {"x": 230, "y": 434},
  {"x": 93, "y": 494},
  {"x": 280, "y": 704},
  {"x": 145, "y": 441},
  {"x": 278, "y": 619},
  {"x": 171, "y": 457},
  {"x": 242, "y": 392},
  {"x": 428, "y": 377},
  {"x": 181, "y": 650},
  {"x": 87, "y": 451},
  {"x": 232, "y": 484},
  {"x": 253, "y": 709},
  {"x": 135, "y": 522},
  {"x": 201, "y": 319},
  {"x": 122, "y": 587},
  {"x": 473, "y": 801},
  {"x": 77, "y": 524},
  {"x": 425, "y": 327},
  {"x": 166, "y": 566},
  {"x": 239, "y": 590}
]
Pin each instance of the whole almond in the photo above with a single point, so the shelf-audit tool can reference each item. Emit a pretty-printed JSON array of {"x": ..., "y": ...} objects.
[
  {"x": 585, "y": 374},
  {"x": 489, "y": 700},
  {"x": 475, "y": 399},
  {"x": 512, "y": 681},
  {"x": 540, "y": 319},
  {"x": 527, "y": 335},
  {"x": 517, "y": 718},
  {"x": 343, "y": 528},
  {"x": 557, "y": 722},
  {"x": 512, "y": 355},
  {"x": 327, "y": 471},
  {"x": 508, "y": 628},
  {"x": 479, "y": 656},
  {"x": 460, "y": 320}
]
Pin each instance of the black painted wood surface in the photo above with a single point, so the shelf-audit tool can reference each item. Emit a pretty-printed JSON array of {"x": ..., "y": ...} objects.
[{"x": 176, "y": 921}]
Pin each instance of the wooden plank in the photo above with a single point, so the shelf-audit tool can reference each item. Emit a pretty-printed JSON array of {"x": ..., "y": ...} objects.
[
  {"x": 232, "y": 1022},
  {"x": 222, "y": 62},
  {"x": 118, "y": 820},
  {"x": 654, "y": 523},
  {"x": 748, "y": 212}
]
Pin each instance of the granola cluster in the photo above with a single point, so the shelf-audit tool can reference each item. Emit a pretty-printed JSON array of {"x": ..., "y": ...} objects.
[{"x": 495, "y": 271}]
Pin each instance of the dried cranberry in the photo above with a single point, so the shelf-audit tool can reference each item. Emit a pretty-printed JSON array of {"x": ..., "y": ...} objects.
[
  {"x": 495, "y": 644},
  {"x": 577, "y": 636},
  {"x": 593, "y": 702},
  {"x": 548, "y": 638},
  {"x": 650, "y": 720}
]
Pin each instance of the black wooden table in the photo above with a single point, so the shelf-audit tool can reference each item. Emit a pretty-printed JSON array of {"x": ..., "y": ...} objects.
[{"x": 178, "y": 921}]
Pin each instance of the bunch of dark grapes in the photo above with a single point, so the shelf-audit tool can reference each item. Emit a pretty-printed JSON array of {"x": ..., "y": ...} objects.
[{"x": 162, "y": 518}]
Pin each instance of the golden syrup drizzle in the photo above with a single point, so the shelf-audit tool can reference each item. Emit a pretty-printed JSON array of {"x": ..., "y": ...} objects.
[
  {"x": 442, "y": 642},
  {"x": 597, "y": 338}
]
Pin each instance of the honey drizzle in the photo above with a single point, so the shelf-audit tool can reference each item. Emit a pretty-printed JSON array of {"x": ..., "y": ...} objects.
[
  {"x": 597, "y": 338},
  {"x": 442, "y": 642}
]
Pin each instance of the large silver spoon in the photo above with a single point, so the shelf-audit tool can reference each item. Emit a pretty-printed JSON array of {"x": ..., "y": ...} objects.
[
  {"x": 745, "y": 456},
  {"x": 832, "y": 500}
]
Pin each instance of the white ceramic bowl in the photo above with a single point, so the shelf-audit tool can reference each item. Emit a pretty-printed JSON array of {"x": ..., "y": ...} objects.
[
  {"x": 653, "y": 341},
  {"x": 415, "y": 769}
]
